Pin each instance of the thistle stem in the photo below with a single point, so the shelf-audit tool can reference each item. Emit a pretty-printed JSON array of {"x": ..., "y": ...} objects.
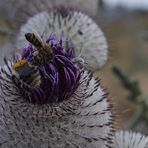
[{"x": 135, "y": 95}]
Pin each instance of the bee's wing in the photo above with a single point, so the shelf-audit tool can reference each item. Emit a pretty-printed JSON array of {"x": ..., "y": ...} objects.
[{"x": 77, "y": 27}]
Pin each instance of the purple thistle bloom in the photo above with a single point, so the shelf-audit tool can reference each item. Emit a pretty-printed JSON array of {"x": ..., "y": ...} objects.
[
  {"x": 69, "y": 109},
  {"x": 59, "y": 76}
]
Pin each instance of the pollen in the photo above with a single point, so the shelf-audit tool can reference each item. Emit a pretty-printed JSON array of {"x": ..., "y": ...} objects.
[{"x": 19, "y": 64}]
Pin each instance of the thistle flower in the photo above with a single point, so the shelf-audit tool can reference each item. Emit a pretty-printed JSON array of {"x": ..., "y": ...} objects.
[
  {"x": 79, "y": 28},
  {"x": 125, "y": 139},
  {"x": 68, "y": 109}
]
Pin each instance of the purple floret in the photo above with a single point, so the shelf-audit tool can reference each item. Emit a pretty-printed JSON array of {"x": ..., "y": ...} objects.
[{"x": 60, "y": 76}]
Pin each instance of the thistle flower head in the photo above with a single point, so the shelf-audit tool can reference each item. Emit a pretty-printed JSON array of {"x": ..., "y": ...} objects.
[
  {"x": 67, "y": 108},
  {"x": 59, "y": 76},
  {"x": 125, "y": 139}
]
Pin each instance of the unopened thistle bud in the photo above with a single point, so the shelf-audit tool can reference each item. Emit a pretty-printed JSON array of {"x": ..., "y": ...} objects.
[
  {"x": 83, "y": 32},
  {"x": 125, "y": 139}
]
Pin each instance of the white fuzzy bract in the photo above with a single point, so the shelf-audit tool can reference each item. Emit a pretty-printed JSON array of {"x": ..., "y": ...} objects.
[
  {"x": 85, "y": 34},
  {"x": 84, "y": 120},
  {"x": 125, "y": 139}
]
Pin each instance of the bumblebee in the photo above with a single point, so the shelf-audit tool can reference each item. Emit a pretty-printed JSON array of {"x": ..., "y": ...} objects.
[
  {"x": 27, "y": 73},
  {"x": 43, "y": 53}
]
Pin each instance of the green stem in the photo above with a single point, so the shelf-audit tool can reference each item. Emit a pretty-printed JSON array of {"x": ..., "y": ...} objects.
[
  {"x": 135, "y": 95},
  {"x": 132, "y": 86}
]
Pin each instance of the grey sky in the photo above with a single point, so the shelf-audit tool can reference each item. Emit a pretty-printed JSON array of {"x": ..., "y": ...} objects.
[{"x": 132, "y": 4}]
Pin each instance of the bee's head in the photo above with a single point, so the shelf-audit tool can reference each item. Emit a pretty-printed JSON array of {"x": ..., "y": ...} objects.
[{"x": 28, "y": 36}]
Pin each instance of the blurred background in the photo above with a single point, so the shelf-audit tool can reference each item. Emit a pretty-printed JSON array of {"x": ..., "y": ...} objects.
[{"x": 125, "y": 25}]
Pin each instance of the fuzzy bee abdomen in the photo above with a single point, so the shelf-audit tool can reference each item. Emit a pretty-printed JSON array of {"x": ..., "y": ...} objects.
[{"x": 29, "y": 75}]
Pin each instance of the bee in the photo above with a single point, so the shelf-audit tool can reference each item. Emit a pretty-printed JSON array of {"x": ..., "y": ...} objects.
[
  {"x": 43, "y": 53},
  {"x": 27, "y": 73}
]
